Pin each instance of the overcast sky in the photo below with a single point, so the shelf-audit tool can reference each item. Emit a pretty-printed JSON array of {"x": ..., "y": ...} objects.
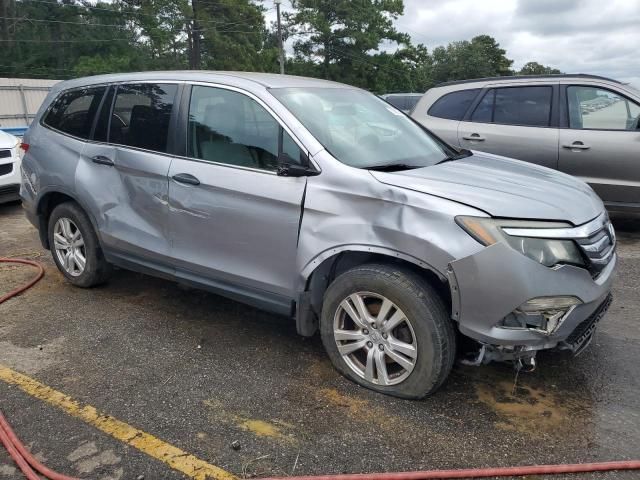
[{"x": 576, "y": 36}]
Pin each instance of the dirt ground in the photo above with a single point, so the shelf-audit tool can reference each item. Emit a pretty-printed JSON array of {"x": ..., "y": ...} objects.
[{"x": 200, "y": 372}]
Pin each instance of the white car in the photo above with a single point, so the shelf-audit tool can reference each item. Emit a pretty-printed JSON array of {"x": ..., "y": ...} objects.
[{"x": 9, "y": 168}]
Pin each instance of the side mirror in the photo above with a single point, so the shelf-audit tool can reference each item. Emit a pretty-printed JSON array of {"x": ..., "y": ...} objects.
[
  {"x": 294, "y": 170},
  {"x": 289, "y": 168}
]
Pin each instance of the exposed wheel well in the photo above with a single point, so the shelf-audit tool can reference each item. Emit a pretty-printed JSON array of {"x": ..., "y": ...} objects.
[
  {"x": 310, "y": 306},
  {"x": 46, "y": 205}
]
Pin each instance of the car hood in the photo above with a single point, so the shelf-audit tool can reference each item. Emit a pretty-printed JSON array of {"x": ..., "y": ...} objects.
[
  {"x": 7, "y": 140},
  {"x": 503, "y": 187}
]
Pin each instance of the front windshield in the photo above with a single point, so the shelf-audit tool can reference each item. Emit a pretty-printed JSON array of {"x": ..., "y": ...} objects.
[{"x": 360, "y": 129}]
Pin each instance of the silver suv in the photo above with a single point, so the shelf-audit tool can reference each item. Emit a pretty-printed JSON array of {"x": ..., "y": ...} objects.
[
  {"x": 321, "y": 202},
  {"x": 584, "y": 125}
]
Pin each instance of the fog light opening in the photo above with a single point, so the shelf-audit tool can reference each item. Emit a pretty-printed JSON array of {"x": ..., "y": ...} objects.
[
  {"x": 541, "y": 314},
  {"x": 540, "y": 304}
]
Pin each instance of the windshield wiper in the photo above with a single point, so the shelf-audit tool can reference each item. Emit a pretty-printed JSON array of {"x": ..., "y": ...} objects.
[
  {"x": 463, "y": 153},
  {"x": 392, "y": 167}
]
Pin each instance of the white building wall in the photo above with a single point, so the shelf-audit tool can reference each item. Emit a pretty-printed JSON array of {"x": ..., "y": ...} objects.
[{"x": 20, "y": 99}]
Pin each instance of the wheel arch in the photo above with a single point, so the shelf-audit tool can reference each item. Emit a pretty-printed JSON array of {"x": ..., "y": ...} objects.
[
  {"x": 45, "y": 205},
  {"x": 323, "y": 269}
]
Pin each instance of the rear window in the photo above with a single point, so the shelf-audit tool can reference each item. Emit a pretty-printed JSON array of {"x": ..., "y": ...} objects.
[
  {"x": 454, "y": 105},
  {"x": 73, "y": 112},
  {"x": 141, "y": 114}
]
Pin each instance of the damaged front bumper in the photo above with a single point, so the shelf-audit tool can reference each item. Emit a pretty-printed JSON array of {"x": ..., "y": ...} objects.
[{"x": 489, "y": 289}]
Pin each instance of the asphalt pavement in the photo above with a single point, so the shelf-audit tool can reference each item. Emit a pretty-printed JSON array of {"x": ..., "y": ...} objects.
[{"x": 201, "y": 373}]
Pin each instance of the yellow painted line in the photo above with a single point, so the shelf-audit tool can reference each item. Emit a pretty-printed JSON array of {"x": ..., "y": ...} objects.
[{"x": 174, "y": 457}]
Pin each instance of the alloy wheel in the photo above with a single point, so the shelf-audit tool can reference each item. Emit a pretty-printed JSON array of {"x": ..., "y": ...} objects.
[
  {"x": 375, "y": 338},
  {"x": 69, "y": 246}
]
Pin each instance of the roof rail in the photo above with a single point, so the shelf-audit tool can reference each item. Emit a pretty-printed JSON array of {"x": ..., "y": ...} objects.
[{"x": 525, "y": 77}]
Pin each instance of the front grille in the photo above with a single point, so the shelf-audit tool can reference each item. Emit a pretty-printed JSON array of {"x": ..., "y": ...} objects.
[
  {"x": 5, "y": 153},
  {"x": 6, "y": 169},
  {"x": 598, "y": 247},
  {"x": 10, "y": 190}
]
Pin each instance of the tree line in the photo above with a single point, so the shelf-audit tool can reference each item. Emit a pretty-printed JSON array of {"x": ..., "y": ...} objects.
[{"x": 351, "y": 41}]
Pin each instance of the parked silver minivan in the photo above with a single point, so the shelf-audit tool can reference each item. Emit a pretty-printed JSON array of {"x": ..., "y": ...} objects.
[
  {"x": 319, "y": 201},
  {"x": 584, "y": 125}
]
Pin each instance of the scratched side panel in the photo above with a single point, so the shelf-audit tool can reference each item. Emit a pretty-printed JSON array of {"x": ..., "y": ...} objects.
[
  {"x": 346, "y": 208},
  {"x": 51, "y": 160},
  {"x": 128, "y": 200}
]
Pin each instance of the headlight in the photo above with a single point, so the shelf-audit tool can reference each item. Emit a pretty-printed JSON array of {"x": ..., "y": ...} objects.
[
  {"x": 16, "y": 151},
  {"x": 548, "y": 252}
]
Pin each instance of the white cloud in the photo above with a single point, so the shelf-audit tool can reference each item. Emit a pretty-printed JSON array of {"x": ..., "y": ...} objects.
[{"x": 575, "y": 36}]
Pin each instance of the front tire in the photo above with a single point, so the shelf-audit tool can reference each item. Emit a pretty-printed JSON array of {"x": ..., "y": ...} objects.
[
  {"x": 75, "y": 247},
  {"x": 387, "y": 329}
]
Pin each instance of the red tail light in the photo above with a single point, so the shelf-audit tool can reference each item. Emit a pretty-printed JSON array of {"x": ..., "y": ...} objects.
[{"x": 24, "y": 147}]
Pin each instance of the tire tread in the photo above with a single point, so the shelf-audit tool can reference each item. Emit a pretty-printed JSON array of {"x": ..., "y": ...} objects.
[{"x": 443, "y": 330}]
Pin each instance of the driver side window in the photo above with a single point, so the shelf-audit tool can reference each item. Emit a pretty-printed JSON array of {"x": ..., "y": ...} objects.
[
  {"x": 229, "y": 127},
  {"x": 597, "y": 108}
]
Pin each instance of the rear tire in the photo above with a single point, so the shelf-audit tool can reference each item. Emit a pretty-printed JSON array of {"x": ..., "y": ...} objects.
[
  {"x": 75, "y": 247},
  {"x": 403, "y": 330}
]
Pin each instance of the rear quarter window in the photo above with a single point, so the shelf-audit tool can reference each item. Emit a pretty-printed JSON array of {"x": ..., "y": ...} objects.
[
  {"x": 453, "y": 106},
  {"x": 73, "y": 112}
]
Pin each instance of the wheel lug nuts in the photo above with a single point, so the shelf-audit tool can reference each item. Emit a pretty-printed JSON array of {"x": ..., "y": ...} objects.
[
  {"x": 381, "y": 347},
  {"x": 384, "y": 335},
  {"x": 369, "y": 344},
  {"x": 365, "y": 331}
]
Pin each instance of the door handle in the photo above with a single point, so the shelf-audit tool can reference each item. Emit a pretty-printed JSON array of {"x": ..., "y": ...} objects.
[
  {"x": 577, "y": 146},
  {"x": 102, "y": 160},
  {"x": 186, "y": 178},
  {"x": 474, "y": 137}
]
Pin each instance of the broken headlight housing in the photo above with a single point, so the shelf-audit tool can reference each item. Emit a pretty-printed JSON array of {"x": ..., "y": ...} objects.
[
  {"x": 544, "y": 314},
  {"x": 548, "y": 252}
]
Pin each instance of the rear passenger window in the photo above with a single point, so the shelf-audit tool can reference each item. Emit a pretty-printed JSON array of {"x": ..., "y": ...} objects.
[
  {"x": 102, "y": 125},
  {"x": 73, "y": 112},
  {"x": 229, "y": 127},
  {"x": 524, "y": 106},
  {"x": 141, "y": 114},
  {"x": 527, "y": 106},
  {"x": 454, "y": 105},
  {"x": 484, "y": 111}
]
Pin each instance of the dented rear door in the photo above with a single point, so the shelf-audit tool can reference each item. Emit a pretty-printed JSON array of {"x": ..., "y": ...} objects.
[{"x": 125, "y": 178}]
